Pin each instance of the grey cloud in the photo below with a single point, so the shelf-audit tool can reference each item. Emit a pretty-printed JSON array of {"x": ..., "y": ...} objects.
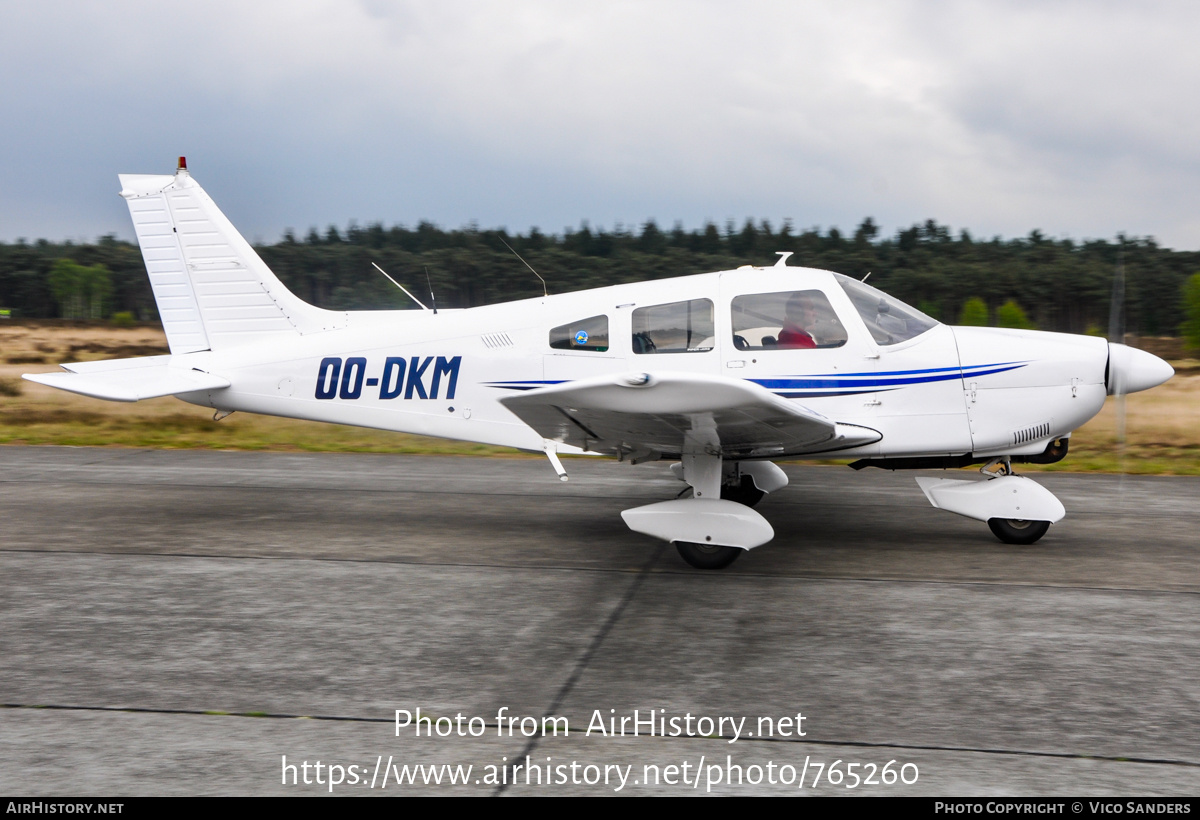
[{"x": 1000, "y": 117}]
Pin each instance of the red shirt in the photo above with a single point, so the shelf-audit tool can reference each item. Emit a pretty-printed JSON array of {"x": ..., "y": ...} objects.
[{"x": 795, "y": 338}]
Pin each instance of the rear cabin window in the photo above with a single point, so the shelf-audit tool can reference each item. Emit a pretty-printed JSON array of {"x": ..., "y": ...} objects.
[
  {"x": 586, "y": 334},
  {"x": 676, "y": 327},
  {"x": 790, "y": 320}
]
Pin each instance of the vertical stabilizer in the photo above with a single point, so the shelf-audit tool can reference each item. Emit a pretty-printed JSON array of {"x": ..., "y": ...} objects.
[{"x": 213, "y": 291}]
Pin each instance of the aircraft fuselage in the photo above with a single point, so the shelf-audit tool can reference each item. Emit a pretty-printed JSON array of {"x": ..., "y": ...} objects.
[{"x": 945, "y": 391}]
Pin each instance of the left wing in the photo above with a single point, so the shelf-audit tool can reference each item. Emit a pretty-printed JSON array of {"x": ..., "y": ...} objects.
[{"x": 647, "y": 414}]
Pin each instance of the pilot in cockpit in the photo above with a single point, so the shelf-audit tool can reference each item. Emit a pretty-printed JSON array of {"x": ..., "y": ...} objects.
[
  {"x": 799, "y": 315},
  {"x": 809, "y": 322}
]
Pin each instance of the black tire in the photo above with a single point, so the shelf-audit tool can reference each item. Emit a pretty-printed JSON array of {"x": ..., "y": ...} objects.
[
  {"x": 707, "y": 556},
  {"x": 1018, "y": 531},
  {"x": 745, "y": 493}
]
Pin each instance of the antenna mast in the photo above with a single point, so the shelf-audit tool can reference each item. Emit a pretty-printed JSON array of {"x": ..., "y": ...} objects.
[
  {"x": 432, "y": 298},
  {"x": 397, "y": 284},
  {"x": 545, "y": 291}
]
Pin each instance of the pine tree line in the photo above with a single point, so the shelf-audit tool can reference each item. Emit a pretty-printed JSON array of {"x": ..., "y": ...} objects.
[{"x": 1052, "y": 284}]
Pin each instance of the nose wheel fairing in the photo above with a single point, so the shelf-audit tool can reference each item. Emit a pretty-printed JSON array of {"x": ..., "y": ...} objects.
[
  {"x": 1016, "y": 509},
  {"x": 1010, "y": 497}
]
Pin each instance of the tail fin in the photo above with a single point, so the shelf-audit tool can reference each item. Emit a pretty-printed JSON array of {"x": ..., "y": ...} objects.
[{"x": 213, "y": 291}]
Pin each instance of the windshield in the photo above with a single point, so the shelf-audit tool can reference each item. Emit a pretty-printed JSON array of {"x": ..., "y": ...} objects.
[{"x": 889, "y": 320}]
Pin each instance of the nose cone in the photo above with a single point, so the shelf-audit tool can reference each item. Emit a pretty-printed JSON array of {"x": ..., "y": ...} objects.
[{"x": 1131, "y": 370}]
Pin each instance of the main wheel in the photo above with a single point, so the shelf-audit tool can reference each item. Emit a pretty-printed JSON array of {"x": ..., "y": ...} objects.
[
  {"x": 1018, "y": 530},
  {"x": 745, "y": 493},
  {"x": 707, "y": 556}
]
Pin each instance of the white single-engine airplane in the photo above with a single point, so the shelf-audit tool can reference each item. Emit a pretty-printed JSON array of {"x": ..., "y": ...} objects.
[{"x": 720, "y": 372}]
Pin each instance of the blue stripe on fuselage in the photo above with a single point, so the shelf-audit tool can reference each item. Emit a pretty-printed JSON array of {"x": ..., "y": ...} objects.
[
  {"x": 831, "y": 384},
  {"x": 525, "y": 384},
  {"x": 898, "y": 378}
]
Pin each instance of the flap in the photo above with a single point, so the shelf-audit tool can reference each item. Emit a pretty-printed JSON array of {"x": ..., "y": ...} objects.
[{"x": 637, "y": 413}]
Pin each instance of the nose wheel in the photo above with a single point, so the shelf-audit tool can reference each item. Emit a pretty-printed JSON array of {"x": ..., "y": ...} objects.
[
  {"x": 707, "y": 556},
  {"x": 1018, "y": 530},
  {"x": 1016, "y": 509}
]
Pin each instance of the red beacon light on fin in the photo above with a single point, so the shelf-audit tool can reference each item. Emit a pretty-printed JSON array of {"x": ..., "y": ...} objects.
[{"x": 182, "y": 164}]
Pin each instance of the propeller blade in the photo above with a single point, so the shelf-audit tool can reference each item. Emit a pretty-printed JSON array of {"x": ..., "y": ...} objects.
[{"x": 1116, "y": 336}]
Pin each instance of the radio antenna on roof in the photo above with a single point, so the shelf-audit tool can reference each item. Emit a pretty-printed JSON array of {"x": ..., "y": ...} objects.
[
  {"x": 432, "y": 298},
  {"x": 397, "y": 284},
  {"x": 545, "y": 291}
]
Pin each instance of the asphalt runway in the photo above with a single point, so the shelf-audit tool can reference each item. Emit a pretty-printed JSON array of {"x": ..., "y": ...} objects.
[{"x": 197, "y": 622}]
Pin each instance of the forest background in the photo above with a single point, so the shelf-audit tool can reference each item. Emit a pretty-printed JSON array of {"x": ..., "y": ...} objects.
[
  {"x": 1034, "y": 281},
  {"x": 47, "y": 288}
]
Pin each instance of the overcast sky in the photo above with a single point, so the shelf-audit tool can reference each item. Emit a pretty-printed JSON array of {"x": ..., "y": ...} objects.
[{"x": 1078, "y": 119}]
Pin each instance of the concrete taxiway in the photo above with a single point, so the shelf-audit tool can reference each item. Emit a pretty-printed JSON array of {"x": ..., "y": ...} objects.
[{"x": 179, "y": 622}]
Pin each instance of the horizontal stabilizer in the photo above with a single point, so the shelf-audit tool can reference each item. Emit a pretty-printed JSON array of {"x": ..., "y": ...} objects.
[{"x": 129, "y": 379}]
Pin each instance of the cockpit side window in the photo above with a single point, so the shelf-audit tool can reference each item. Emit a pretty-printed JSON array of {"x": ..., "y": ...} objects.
[
  {"x": 889, "y": 320},
  {"x": 790, "y": 320},
  {"x": 676, "y": 327},
  {"x": 586, "y": 334}
]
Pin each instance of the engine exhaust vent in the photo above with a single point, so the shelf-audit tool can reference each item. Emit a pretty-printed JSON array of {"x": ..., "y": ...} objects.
[{"x": 1032, "y": 433}]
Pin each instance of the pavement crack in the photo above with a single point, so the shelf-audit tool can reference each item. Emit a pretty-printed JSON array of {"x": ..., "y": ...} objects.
[{"x": 583, "y": 662}]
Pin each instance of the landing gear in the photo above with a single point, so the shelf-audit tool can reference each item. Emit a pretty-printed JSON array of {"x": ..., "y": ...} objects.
[
  {"x": 1012, "y": 530},
  {"x": 743, "y": 493},
  {"x": 744, "y": 482},
  {"x": 710, "y": 531},
  {"x": 707, "y": 556},
  {"x": 1018, "y": 530},
  {"x": 1016, "y": 509}
]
